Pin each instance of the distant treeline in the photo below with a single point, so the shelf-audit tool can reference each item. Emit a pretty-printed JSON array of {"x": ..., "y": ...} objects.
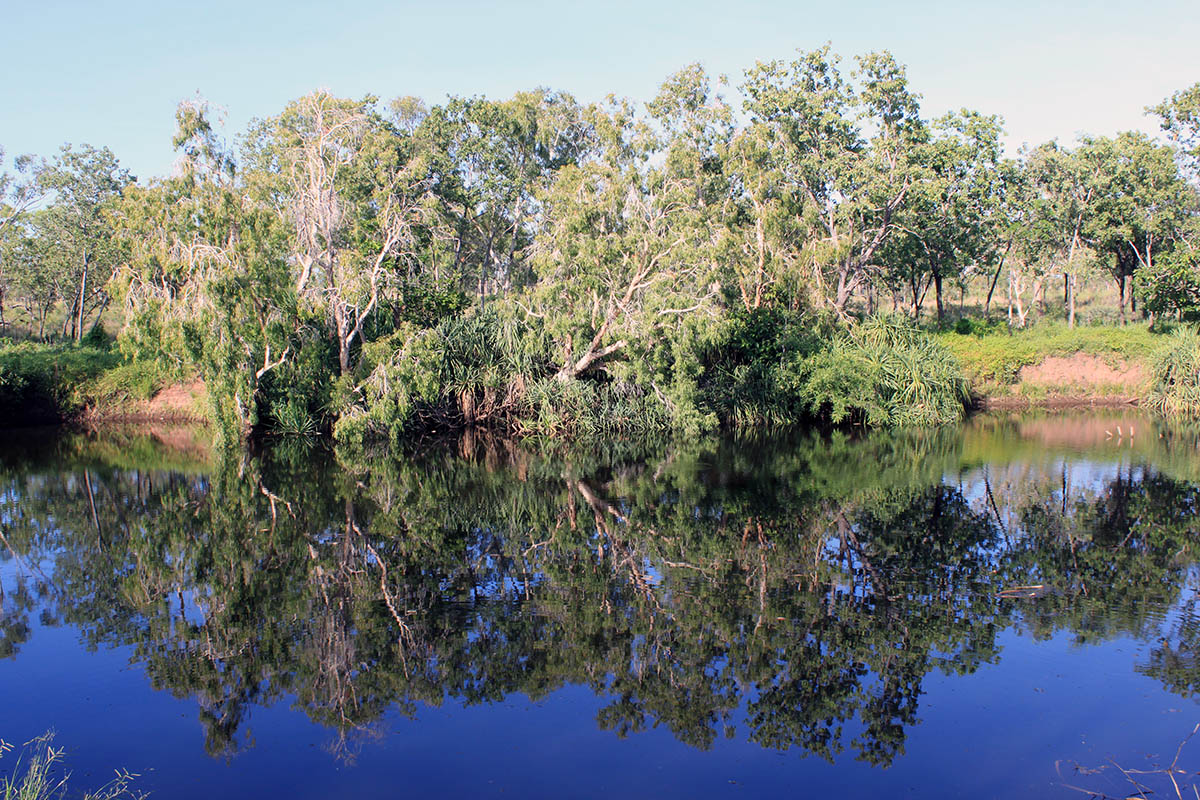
[{"x": 548, "y": 266}]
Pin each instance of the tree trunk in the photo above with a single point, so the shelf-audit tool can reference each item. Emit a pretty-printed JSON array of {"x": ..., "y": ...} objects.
[
  {"x": 937, "y": 289},
  {"x": 987, "y": 304},
  {"x": 82, "y": 299},
  {"x": 1121, "y": 288},
  {"x": 1071, "y": 307},
  {"x": 99, "y": 313}
]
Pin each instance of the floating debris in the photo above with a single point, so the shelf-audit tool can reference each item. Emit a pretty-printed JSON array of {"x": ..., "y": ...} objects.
[{"x": 1023, "y": 592}]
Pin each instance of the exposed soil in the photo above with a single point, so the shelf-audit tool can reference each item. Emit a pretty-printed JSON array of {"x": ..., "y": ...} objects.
[
  {"x": 178, "y": 403},
  {"x": 1073, "y": 381},
  {"x": 1082, "y": 370},
  {"x": 1017, "y": 402}
]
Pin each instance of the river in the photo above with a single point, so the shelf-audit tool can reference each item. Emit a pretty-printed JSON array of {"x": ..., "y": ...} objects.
[{"x": 1005, "y": 609}]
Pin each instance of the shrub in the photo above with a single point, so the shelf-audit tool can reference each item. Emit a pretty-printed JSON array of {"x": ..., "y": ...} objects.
[
  {"x": 1175, "y": 375},
  {"x": 886, "y": 372}
]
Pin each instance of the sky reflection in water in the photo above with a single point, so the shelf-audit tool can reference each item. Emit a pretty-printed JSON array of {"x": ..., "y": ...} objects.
[{"x": 725, "y": 618}]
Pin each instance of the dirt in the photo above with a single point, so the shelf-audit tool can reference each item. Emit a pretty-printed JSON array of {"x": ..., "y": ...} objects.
[
  {"x": 1082, "y": 370},
  {"x": 177, "y": 403},
  {"x": 1071, "y": 381}
]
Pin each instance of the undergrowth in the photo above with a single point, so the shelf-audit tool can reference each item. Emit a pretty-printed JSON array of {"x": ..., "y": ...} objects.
[
  {"x": 1175, "y": 375},
  {"x": 47, "y": 382}
]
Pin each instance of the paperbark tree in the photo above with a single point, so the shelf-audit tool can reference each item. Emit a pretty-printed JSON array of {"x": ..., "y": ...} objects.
[
  {"x": 207, "y": 287},
  {"x": 354, "y": 193},
  {"x": 619, "y": 256}
]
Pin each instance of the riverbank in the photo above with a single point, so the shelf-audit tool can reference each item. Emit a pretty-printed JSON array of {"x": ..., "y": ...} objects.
[
  {"x": 1046, "y": 366},
  {"x": 1053, "y": 366},
  {"x": 48, "y": 384}
]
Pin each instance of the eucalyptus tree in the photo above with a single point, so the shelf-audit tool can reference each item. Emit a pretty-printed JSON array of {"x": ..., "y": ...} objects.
[
  {"x": 949, "y": 222},
  {"x": 1141, "y": 206},
  {"x": 1031, "y": 235},
  {"x": 1067, "y": 185},
  {"x": 847, "y": 152},
  {"x": 1179, "y": 117},
  {"x": 19, "y": 190},
  {"x": 18, "y": 194},
  {"x": 764, "y": 245},
  {"x": 84, "y": 183},
  {"x": 27, "y": 280}
]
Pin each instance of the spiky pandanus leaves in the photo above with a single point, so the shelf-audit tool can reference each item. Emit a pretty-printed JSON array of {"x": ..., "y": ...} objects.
[
  {"x": 1175, "y": 375},
  {"x": 885, "y": 372}
]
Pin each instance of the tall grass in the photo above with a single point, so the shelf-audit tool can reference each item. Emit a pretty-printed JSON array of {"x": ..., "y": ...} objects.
[
  {"x": 37, "y": 774},
  {"x": 1175, "y": 375}
]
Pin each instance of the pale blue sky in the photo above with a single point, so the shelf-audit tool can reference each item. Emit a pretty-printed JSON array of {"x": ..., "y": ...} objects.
[{"x": 111, "y": 73}]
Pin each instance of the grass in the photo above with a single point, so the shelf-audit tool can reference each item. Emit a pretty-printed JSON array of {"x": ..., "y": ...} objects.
[
  {"x": 993, "y": 357},
  {"x": 120, "y": 387},
  {"x": 37, "y": 774},
  {"x": 46, "y": 382},
  {"x": 41, "y": 383}
]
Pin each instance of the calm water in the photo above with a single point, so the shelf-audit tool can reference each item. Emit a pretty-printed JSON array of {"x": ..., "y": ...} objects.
[{"x": 817, "y": 616}]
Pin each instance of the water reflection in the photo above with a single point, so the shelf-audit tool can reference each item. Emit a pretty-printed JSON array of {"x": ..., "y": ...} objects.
[{"x": 794, "y": 593}]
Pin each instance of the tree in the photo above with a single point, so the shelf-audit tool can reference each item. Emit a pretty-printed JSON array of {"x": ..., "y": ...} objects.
[
  {"x": 1179, "y": 117},
  {"x": 1066, "y": 187},
  {"x": 207, "y": 287},
  {"x": 354, "y": 192},
  {"x": 83, "y": 183},
  {"x": 948, "y": 223},
  {"x": 1140, "y": 207},
  {"x": 29, "y": 279},
  {"x": 490, "y": 160},
  {"x": 18, "y": 192},
  {"x": 620, "y": 258},
  {"x": 847, "y": 152}
]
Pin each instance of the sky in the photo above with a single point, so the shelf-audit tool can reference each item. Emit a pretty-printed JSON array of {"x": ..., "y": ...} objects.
[{"x": 111, "y": 73}]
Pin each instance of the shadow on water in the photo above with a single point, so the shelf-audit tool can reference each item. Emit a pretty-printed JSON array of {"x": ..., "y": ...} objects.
[{"x": 796, "y": 593}]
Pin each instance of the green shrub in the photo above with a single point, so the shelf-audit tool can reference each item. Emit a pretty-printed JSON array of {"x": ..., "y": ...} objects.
[
  {"x": 1175, "y": 375},
  {"x": 886, "y": 372}
]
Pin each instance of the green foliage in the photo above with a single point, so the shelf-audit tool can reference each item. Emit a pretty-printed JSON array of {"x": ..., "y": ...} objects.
[
  {"x": 751, "y": 374},
  {"x": 47, "y": 383},
  {"x": 1170, "y": 287},
  {"x": 885, "y": 371},
  {"x": 1175, "y": 375},
  {"x": 372, "y": 270},
  {"x": 134, "y": 380}
]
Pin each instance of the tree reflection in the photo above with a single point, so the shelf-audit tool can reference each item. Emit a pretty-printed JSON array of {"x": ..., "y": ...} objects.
[{"x": 800, "y": 591}]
